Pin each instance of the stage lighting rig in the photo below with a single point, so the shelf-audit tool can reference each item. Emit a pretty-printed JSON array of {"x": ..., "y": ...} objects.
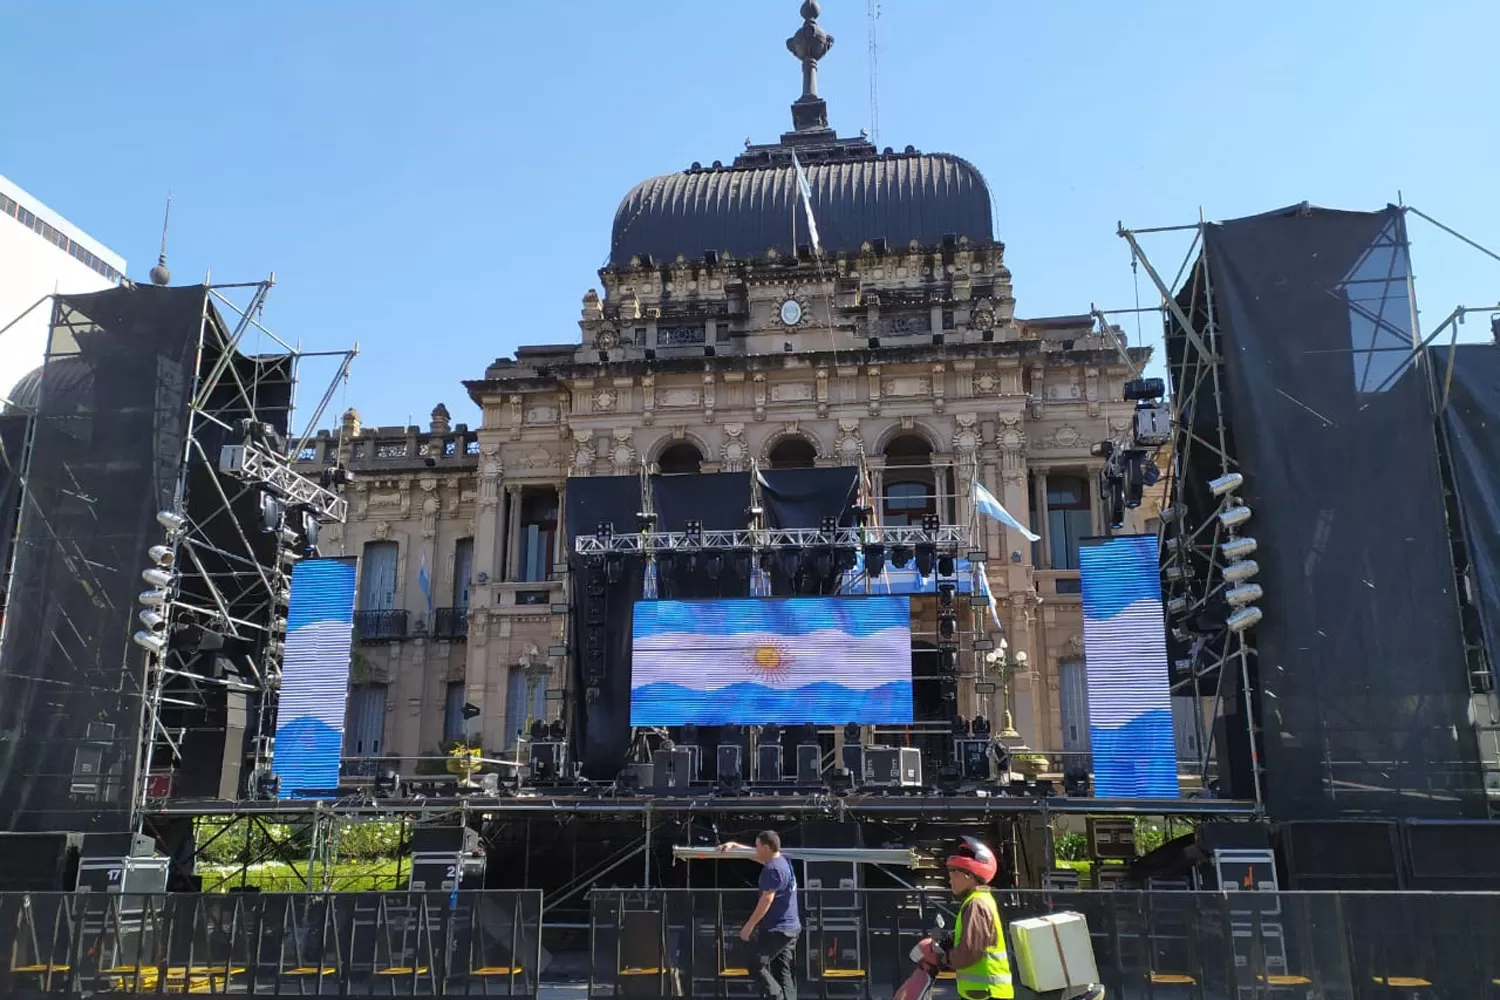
[
  {"x": 1239, "y": 572},
  {"x": 1227, "y": 483},
  {"x": 253, "y": 462},
  {"x": 874, "y": 560},
  {"x": 1238, "y": 548},
  {"x": 931, "y": 522},
  {"x": 645, "y": 521},
  {"x": 828, "y": 525},
  {"x": 693, "y": 529},
  {"x": 900, "y": 556},
  {"x": 1233, "y": 517}
]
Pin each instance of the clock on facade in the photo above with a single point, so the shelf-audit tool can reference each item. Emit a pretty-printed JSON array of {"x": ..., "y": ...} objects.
[{"x": 791, "y": 312}]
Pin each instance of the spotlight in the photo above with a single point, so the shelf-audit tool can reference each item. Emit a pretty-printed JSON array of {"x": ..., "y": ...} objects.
[
  {"x": 900, "y": 556},
  {"x": 945, "y": 594},
  {"x": 1244, "y": 594},
  {"x": 171, "y": 520},
  {"x": 947, "y": 660},
  {"x": 153, "y": 621},
  {"x": 1238, "y": 548},
  {"x": 1145, "y": 389},
  {"x": 713, "y": 566},
  {"x": 931, "y": 522},
  {"x": 926, "y": 559},
  {"x": 1243, "y": 619},
  {"x": 791, "y": 562},
  {"x": 1227, "y": 483},
  {"x": 1177, "y": 605},
  {"x": 153, "y": 598},
  {"x": 874, "y": 343},
  {"x": 614, "y": 567},
  {"x": 694, "y": 531},
  {"x": 945, "y": 564},
  {"x": 947, "y": 626},
  {"x": 874, "y": 560},
  {"x": 1102, "y": 449},
  {"x": 162, "y": 556},
  {"x": 1170, "y": 514},
  {"x": 645, "y": 521},
  {"x": 1238, "y": 572},
  {"x": 158, "y": 578},
  {"x": 753, "y": 516},
  {"x": 1234, "y": 516},
  {"x": 743, "y": 563},
  {"x": 1172, "y": 572},
  {"x": 605, "y": 530},
  {"x": 862, "y": 514},
  {"x": 828, "y": 525},
  {"x": 152, "y": 643}
]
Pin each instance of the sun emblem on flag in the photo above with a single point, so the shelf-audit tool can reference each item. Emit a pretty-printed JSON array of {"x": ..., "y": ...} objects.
[{"x": 770, "y": 660}]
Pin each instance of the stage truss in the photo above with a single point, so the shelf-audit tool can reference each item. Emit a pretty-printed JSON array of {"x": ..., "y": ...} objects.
[
  {"x": 1197, "y": 524},
  {"x": 230, "y": 573}
]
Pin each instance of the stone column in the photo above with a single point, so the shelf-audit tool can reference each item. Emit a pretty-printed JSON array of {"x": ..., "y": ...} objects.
[
  {"x": 1039, "y": 477},
  {"x": 512, "y": 533},
  {"x": 1096, "y": 506}
]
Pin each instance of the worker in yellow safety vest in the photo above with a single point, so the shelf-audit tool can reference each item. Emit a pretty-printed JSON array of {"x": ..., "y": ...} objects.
[{"x": 977, "y": 956}]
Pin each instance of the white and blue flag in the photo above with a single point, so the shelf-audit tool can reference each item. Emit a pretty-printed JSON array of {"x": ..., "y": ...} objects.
[
  {"x": 806, "y": 191},
  {"x": 424, "y": 580},
  {"x": 985, "y": 503}
]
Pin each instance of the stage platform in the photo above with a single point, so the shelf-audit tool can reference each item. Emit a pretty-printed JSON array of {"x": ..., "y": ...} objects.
[{"x": 576, "y": 803}]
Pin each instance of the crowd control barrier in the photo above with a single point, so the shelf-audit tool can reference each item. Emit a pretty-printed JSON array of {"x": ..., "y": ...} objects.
[{"x": 272, "y": 944}]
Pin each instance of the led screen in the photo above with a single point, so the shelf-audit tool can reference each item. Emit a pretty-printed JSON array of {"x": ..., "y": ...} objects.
[
  {"x": 1125, "y": 654},
  {"x": 825, "y": 660},
  {"x": 315, "y": 676}
]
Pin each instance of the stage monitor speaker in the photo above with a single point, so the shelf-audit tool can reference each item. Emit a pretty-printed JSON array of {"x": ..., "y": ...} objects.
[
  {"x": 1341, "y": 855},
  {"x": 443, "y": 871},
  {"x": 549, "y": 761},
  {"x": 39, "y": 862},
  {"x": 1453, "y": 856},
  {"x": 973, "y": 756},
  {"x": 893, "y": 767},
  {"x": 1232, "y": 753},
  {"x": 854, "y": 759},
  {"x": 684, "y": 768},
  {"x": 768, "y": 764},
  {"x": 444, "y": 840},
  {"x": 212, "y": 759},
  {"x": 730, "y": 763},
  {"x": 809, "y": 764}
]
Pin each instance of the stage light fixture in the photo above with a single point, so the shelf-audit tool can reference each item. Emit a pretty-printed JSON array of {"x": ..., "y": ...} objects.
[
  {"x": 171, "y": 521},
  {"x": 900, "y": 556},
  {"x": 947, "y": 626},
  {"x": 162, "y": 556},
  {"x": 713, "y": 566},
  {"x": 791, "y": 562},
  {"x": 946, "y": 565},
  {"x": 1102, "y": 449},
  {"x": 1144, "y": 389},
  {"x": 823, "y": 563},
  {"x": 947, "y": 660},
  {"x": 1177, "y": 605},
  {"x": 693, "y": 528},
  {"x": 1239, "y": 572},
  {"x": 1170, "y": 514},
  {"x": 614, "y": 567},
  {"x": 645, "y": 521},
  {"x": 828, "y": 525},
  {"x": 158, "y": 578},
  {"x": 605, "y": 530},
  {"x": 153, "y": 621},
  {"x": 931, "y": 522},
  {"x": 926, "y": 559},
  {"x": 861, "y": 514},
  {"x": 1244, "y": 618},
  {"x": 743, "y": 562},
  {"x": 1172, "y": 573},
  {"x": 153, "y": 598},
  {"x": 1227, "y": 483},
  {"x": 1234, "y": 516},
  {"x": 754, "y": 515},
  {"x": 1246, "y": 593},
  {"x": 874, "y": 560},
  {"x": 945, "y": 594},
  {"x": 1238, "y": 548},
  {"x": 150, "y": 642}
]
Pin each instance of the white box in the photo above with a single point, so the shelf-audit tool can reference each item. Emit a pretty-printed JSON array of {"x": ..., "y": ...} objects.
[{"x": 1054, "y": 952}]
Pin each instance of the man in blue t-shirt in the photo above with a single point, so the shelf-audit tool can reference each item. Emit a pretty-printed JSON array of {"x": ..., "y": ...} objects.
[{"x": 775, "y": 917}]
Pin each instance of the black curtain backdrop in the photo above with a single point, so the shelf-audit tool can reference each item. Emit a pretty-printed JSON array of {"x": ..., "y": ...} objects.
[
  {"x": 802, "y": 498},
  {"x": 1471, "y": 421},
  {"x": 1362, "y": 692},
  {"x": 719, "y": 500},
  {"x": 592, "y": 500}
]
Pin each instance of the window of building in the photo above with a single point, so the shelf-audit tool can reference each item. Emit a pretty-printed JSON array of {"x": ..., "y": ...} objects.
[
  {"x": 450, "y": 448},
  {"x": 910, "y": 481},
  {"x": 721, "y": 333},
  {"x": 377, "y": 576},
  {"x": 906, "y": 503},
  {"x": 682, "y": 459},
  {"x": 308, "y": 454},
  {"x": 793, "y": 453},
  {"x": 364, "y": 735},
  {"x": 948, "y": 320},
  {"x": 472, "y": 447},
  {"x": 525, "y": 700},
  {"x": 1073, "y": 710},
  {"x": 1069, "y": 518},
  {"x": 453, "y": 712},
  {"x": 538, "y": 534},
  {"x": 463, "y": 569},
  {"x": 390, "y": 449}
]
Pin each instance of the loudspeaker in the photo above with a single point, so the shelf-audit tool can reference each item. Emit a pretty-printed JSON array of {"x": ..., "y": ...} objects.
[
  {"x": 730, "y": 764},
  {"x": 854, "y": 759},
  {"x": 212, "y": 758},
  {"x": 39, "y": 862},
  {"x": 768, "y": 763},
  {"x": 1232, "y": 753},
  {"x": 444, "y": 840},
  {"x": 809, "y": 764}
]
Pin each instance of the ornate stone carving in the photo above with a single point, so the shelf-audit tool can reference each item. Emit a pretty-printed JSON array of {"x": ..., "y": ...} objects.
[
  {"x": 680, "y": 396},
  {"x": 1066, "y": 436},
  {"x": 939, "y": 387},
  {"x": 734, "y": 451},
  {"x": 1038, "y": 391},
  {"x": 540, "y": 413},
  {"x": 709, "y": 386},
  {"x": 440, "y": 420},
  {"x": 622, "y": 454},
  {"x": 849, "y": 446},
  {"x": 986, "y": 383},
  {"x": 583, "y": 452},
  {"x": 383, "y": 531},
  {"x": 791, "y": 392},
  {"x": 479, "y": 626},
  {"x": 489, "y": 477},
  {"x": 966, "y": 438},
  {"x": 1075, "y": 644},
  {"x": 605, "y": 400},
  {"x": 874, "y": 376},
  {"x": 906, "y": 385},
  {"x": 648, "y": 399},
  {"x": 821, "y": 392},
  {"x": 1011, "y": 438},
  {"x": 430, "y": 506},
  {"x": 1091, "y": 390},
  {"x": 515, "y": 417},
  {"x": 758, "y": 394},
  {"x": 593, "y": 309}
]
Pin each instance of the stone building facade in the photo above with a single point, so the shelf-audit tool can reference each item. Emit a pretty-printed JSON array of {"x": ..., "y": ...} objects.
[{"x": 716, "y": 343}]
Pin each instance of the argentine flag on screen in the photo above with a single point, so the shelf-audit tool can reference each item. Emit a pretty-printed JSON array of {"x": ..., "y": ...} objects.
[{"x": 826, "y": 660}]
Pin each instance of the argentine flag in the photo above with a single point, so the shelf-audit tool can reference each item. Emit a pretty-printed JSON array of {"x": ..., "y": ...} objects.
[{"x": 986, "y": 504}]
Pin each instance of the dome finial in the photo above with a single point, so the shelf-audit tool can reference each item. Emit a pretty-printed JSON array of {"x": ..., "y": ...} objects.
[
  {"x": 809, "y": 44},
  {"x": 161, "y": 274}
]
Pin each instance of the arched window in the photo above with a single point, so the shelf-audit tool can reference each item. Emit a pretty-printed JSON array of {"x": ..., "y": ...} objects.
[
  {"x": 793, "y": 453},
  {"x": 910, "y": 486},
  {"x": 1069, "y": 518},
  {"x": 681, "y": 459}
]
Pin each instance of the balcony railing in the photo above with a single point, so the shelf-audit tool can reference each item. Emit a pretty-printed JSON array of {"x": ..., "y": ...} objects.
[
  {"x": 450, "y": 623},
  {"x": 380, "y": 626}
]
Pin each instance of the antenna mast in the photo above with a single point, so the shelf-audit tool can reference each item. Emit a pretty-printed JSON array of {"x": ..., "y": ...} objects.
[{"x": 873, "y": 15}]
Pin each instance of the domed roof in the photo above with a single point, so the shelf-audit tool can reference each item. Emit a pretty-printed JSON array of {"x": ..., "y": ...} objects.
[{"x": 858, "y": 195}]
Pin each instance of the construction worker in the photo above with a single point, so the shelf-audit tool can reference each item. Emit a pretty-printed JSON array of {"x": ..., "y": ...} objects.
[{"x": 977, "y": 956}]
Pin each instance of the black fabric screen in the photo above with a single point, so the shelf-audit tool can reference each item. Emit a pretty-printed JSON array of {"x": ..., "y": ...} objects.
[
  {"x": 718, "y": 500},
  {"x": 593, "y": 500},
  {"x": 1362, "y": 694},
  {"x": 108, "y": 445},
  {"x": 12, "y": 447},
  {"x": 801, "y": 498},
  {"x": 1467, "y": 380}
]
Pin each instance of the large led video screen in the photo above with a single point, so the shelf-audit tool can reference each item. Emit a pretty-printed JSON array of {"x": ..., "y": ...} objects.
[
  {"x": 1125, "y": 655},
  {"x": 315, "y": 676},
  {"x": 824, "y": 660}
]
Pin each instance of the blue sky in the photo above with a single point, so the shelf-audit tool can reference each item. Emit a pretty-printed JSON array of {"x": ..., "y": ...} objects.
[{"x": 436, "y": 181}]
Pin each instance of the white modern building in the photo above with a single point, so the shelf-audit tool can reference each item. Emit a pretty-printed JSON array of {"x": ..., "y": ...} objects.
[{"x": 41, "y": 254}]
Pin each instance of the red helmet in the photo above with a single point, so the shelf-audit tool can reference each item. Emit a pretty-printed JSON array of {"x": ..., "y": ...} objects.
[{"x": 974, "y": 857}]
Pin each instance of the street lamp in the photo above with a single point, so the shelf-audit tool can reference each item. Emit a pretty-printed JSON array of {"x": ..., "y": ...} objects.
[{"x": 1006, "y": 664}]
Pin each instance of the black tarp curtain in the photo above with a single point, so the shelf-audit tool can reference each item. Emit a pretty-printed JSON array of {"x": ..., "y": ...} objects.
[
  {"x": 1361, "y": 689},
  {"x": 601, "y": 609}
]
